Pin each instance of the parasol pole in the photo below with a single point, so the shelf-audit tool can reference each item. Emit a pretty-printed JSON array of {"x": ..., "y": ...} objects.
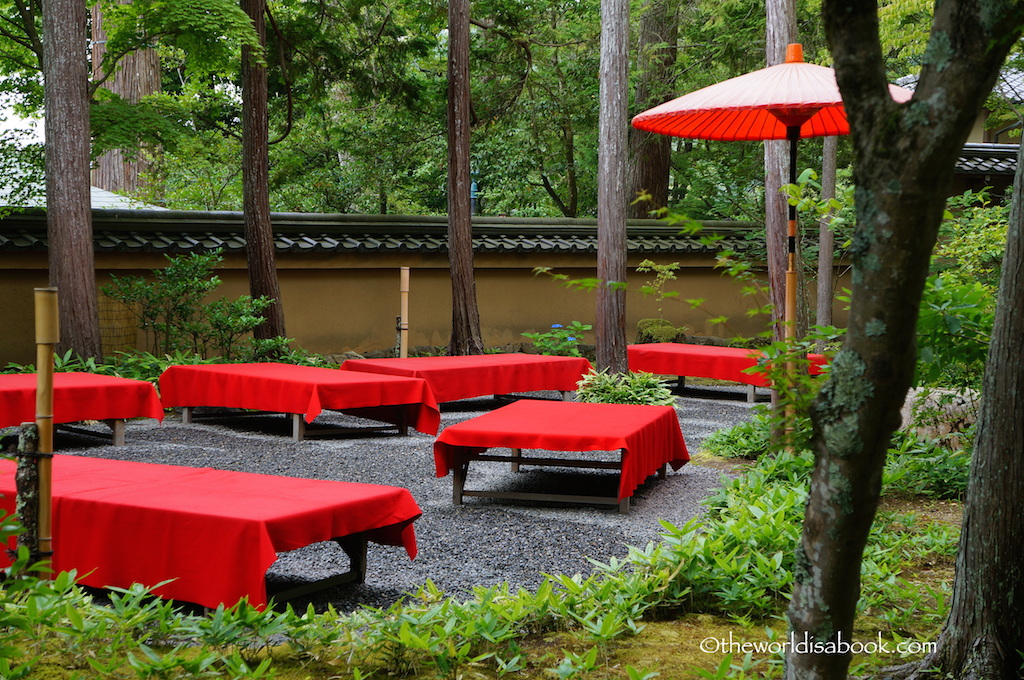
[
  {"x": 47, "y": 336},
  {"x": 403, "y": 319},
  {"x": 793, "y": 135}
]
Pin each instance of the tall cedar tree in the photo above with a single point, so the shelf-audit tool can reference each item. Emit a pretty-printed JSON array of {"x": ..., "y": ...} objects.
[
  {"x": 611, "y": 188},
  {"x": 68, "y": 213},
  {"x": 465, "y": 337},
  {"x": 903, "y": 164},
  {"x": 259, "y": 232}
]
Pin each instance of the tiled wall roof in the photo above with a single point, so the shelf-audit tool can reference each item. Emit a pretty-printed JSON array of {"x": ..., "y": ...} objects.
[{"x": 186, "y": 231}]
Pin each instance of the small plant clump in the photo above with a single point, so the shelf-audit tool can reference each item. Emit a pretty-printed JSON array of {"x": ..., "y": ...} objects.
[
  {"x": 560, "y": 340},
  {"x": 601, "y": 387}
]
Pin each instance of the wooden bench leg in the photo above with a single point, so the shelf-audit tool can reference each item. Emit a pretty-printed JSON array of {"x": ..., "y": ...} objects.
[
  {"x": 298, "y": 427},
  {"x": 751, "y": 394},
  {"x": 459, "y": 480},
  {"x": 663, "y": 471},
  {"x": 624, "y": 505},
  {"x": 116, "y": 426},
  {"x": 517, "y": 456},
  {"x": 355, "y": 548},
  {"x": 186, "y": 415}
]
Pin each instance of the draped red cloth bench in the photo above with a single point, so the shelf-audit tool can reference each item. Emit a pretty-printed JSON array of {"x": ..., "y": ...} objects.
[
  {"x": 705, "y": 361},
  {"x": 214, "y": 532},
  {"x": 461, "y": 377},
  {"x": 78, "y": 397},
  {"x": 647, "y": 437},
  {"x": 303, "y": 391}
]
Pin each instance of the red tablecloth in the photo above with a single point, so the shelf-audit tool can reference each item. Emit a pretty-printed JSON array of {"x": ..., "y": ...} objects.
[
  {"x": 649, "y": 435},
  {"x": 704, "y": 361},
  {"x": 461, "y": 377},
  {"x": 78, "y": 396},
  {"x": 216, "y": 532},
  {"x": 287, "y": 388}
]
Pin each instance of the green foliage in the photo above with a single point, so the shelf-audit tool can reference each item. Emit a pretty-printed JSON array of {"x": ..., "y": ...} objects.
[
  {"x": 973, "y": 240},
  {"x": 172, "y": 309},
  {"x": 663, "y": 273},
  {"x": 560, "y": 340},
  {"x": 918, "y": 468},
  {"x": 601, "y": 387},
  {"x": 750, "y": 439},
  {"x": 953, "y": 331}
]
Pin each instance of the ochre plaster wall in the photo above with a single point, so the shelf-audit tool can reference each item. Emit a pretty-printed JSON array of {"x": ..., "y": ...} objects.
[{"x": 336, "y": 303}]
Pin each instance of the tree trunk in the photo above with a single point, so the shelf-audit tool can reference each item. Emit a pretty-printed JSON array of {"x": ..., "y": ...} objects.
[
  {"x": 985, "y": 628},
  {"x": 259, "y": 232},
  {"x": 826, "y": 239},
  {"x": 137, "y": 75},
  {"x": 68, "y": 203},
  {"x": 651, "y": 154},
  {"x": 780, "y": 32},
  {"x": 465, "y": 337},
  {"x": 611, "y": 188},
  {"x": 903, "y": 165}
]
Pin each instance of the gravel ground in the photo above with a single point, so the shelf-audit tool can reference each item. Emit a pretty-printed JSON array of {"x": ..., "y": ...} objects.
[{"x": 480, "y": 543}]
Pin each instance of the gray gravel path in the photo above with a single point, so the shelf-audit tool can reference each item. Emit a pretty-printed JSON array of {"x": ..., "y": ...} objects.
[{"x": 481, "y": 543}]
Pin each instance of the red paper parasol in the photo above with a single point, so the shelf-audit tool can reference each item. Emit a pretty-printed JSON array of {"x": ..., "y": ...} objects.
[{"x": 792, "y": 100}]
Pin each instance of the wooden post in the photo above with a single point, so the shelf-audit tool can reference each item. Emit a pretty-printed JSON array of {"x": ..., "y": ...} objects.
[
  {"x": 47, "y": 336},
  {"x": 403, "y": 319}
]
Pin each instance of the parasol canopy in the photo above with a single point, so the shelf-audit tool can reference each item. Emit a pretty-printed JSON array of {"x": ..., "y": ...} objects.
[{"x": 760, "y": 105}]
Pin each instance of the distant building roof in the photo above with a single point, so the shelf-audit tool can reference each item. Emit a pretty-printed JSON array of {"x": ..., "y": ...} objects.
[
  {"x": 988, "y": 159},
  {"x": 173, "y": 231},
  {"x": 101, "y": 199}
]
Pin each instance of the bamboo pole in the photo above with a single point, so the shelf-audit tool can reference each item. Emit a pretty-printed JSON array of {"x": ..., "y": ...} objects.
[
  {"x": 47, "y": 336},
  {"x": 403, "y": 319}
]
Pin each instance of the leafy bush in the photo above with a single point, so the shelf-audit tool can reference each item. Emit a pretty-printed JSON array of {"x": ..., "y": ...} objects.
[
  {"x": 953, "y": 332},
  {"x": 560, "y": 340},
  {"x": 601, "y": 387},
  {"x": 172, "y": 310}
]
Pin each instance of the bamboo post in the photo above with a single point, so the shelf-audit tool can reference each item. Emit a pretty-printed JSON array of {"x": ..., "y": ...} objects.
[
  {"x": 47, "y": 336},
  {"x": 403, "y": 319}
]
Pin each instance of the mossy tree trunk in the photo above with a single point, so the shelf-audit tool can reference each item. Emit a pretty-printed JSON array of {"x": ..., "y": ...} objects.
[{"x": 903, "y": 164}]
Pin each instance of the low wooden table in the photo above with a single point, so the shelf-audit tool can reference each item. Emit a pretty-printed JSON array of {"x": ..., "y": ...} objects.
[
  {"x": 647, "y": 438},
  {"x": 707, "y": 361},
  {"x": 461, "y": 377},
  {"x": 303, "y": 392},
  {"x": 79, "y": 397}
]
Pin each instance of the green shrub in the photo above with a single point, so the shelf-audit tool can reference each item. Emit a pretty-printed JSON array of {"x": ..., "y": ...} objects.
[
  {"x": 560, "y": 340},
  {"x": 601, "y": 387},
  {"x": 172, "y": 310}
]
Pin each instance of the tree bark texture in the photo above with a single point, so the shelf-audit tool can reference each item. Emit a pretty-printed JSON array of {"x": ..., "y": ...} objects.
[
  {"x": 259, "y": 232},
  {"x": 780, "y": 31},
  {"x": 826, "y": 239},
  {"x": 903, "y": 164},
  {"x": 985, "y": 628},
  {"x": 26, "y": 481},
  {"x": 613, "y": 125},
  {"x": 466, "y": 338},
  {"x": 137, "y": 75},
  {"x": 68, "y": 203},
  {"x": 650, "y": 155}
]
